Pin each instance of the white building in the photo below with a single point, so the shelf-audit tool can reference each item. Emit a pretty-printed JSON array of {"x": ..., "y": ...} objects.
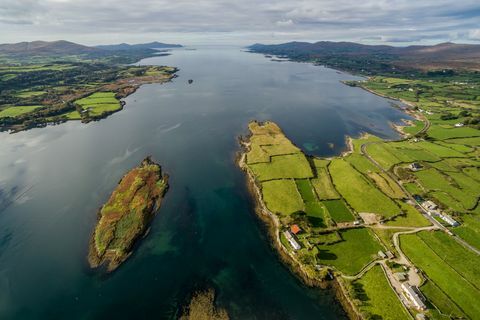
[
  {"x": 459, "y": 124},
  {"x": 449, "y": 220},
  {"x": 291, "y": 240},
  {"x": 429, "y": 205},
  {"x": 414, "y": 295}
]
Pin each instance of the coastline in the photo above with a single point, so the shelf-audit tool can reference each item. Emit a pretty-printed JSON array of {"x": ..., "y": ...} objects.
[{"x": 272, "y": 225}]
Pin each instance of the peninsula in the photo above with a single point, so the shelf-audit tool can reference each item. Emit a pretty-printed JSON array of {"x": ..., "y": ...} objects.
[
  {"x": 374, "y": 224},
  {"x": 124, "y": 219}
]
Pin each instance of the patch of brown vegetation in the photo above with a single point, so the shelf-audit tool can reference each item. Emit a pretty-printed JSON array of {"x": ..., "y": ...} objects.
[{"x": 202, "y": 307}]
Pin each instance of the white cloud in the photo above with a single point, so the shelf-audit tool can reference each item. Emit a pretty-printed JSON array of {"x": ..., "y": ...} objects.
[
  {"x": 284, "y": 23},
  {"x": 103, "y": 21},
  {"x": 474, "y": 34}
]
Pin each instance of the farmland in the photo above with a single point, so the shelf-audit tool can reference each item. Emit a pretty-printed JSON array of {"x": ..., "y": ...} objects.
[
  {"x": 376, "y": 298},
  {"x": 350, "y": 255},
  {"x": 452, "y": 268},
  {"x": 324, "y": 198},
  {"x": 35, "y": 95}
]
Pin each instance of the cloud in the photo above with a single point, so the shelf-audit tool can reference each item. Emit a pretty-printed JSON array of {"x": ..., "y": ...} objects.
[
  {"x": 284, "y": 23},
  {"x": 95, "y": 21},
  {"x": 474, "y": 34}
]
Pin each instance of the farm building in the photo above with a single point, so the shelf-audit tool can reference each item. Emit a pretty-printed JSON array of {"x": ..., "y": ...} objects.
[
  {"x": 291, "y": 240},
  {"x": 414, "y": 295},
  {"x": 401, "y": 276},
  {"x": 429, "y": 205},
  {"x": 459, "y": 124},
  {"x": 389, "y": 254},
  {"x": 295, "y": 229},
  {"x": 382, "y": 255},
  {"x": 415, "y": 166},
  {"x": 449, "y": 220}
]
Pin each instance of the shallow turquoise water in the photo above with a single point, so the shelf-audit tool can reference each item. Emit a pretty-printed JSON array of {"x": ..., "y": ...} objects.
[{"x": 53, "y": 180}]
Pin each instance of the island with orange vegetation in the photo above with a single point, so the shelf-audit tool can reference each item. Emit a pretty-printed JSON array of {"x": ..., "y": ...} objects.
[{"x": 125, "y": 218}]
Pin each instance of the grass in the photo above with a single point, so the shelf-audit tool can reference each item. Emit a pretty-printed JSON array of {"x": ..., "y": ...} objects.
[
  {"x": 281, "y": 196},
  {"x": 338, "y": 211},
  {"x": 323, "y": 185},
  {"x": 432, "y": 179},
  {"x": 442, "y": 133},
  {"x": 382, "y": 155},
  {"x": 469, "y": 230},
  {"x": 360, "y": 194},
  {"x": 442, "y": 270},
  {"x": 440, "y": 300},
  {"x": 377, "y": 297},
  {"x": 387, "y": 185},
  {"x": 294, "y": 166},
  {"x": 17, "y": 110},
  {"x": 100, "y": 103},
  {"x": 349, "y": 256},
  {"x": 410, "y": 218}
]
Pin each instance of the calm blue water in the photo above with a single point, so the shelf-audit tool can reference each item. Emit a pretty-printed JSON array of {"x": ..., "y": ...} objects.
[{"x": 53, "y": 180}]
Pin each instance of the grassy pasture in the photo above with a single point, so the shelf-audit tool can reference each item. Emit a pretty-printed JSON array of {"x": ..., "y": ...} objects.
[
  {"x": 295, "y": 166},
  {"x": 99, "y": 103},
  {"x": 432, "y": 179},
  {"x": 338, "y": 210},
  {"x": 469, "y": 230},
  {"x": 323, "y": 185},
  {"x": 360, "y": 194},
  {"x": 410, "y": 218},
  {"x": 387, "y": 185},
  {"x": 442, "y": 133},
  {"x": 382, "y": 155},
  {"x": 361, "y": 163},
  {"x": 17, "y": 110},
  {"x": 349, "y": 256},
  {"x": 281, "y": 196},
  {"x": 377, "y": 297},
  {"x": 441, "y": 301},
  {"x": 442, "y": 270}
]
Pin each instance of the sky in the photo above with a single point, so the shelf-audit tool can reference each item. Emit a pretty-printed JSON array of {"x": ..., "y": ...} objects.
[{"x": 243, "y": 22}]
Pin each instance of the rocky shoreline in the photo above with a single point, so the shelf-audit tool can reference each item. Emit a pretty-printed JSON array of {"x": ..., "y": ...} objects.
[{"x": 272, "y": 225}]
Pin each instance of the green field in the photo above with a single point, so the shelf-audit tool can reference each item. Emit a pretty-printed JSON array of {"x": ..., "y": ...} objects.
[
  {"x": 323, "y": 185},
  {"x": 469, "y": 229},
  {"x": 100, "y": 103},
  {"x": 281, "y": 196},
  {"x": 360, "y": 194},
  {"x": 411, "y": 217},
  {"x": 377, "y": 299},
  {"x": 293, "y": 166},
  {"x": 450, "y": 266},
  {"x": 17, "y": 110},
  {"x": 349, "y": 256},
  {"x": 338, "y": 211},
  {"x": 432, "y": 179}
]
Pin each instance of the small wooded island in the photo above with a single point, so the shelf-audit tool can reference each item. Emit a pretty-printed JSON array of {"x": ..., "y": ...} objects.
[{"x": 125, "y": 217}]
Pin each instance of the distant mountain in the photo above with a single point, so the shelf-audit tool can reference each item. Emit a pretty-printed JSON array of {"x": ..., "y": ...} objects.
[
  {"x": 150, "y": 45},
  {"x": 60, "y": 47},
  {"x": 368, "y": 57},
  {"x": 44, "y": 51}
]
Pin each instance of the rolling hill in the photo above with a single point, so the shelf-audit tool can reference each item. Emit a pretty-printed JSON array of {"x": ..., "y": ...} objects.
[{"x": 358, "y": 57}]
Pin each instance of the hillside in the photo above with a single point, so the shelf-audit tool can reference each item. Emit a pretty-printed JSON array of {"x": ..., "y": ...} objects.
[
  {"x": 53, "y": 51},
  {"x": 379, "y": 58},
  {"x": 60, "y": 47},
  {"x": 150, "y": 45}
]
